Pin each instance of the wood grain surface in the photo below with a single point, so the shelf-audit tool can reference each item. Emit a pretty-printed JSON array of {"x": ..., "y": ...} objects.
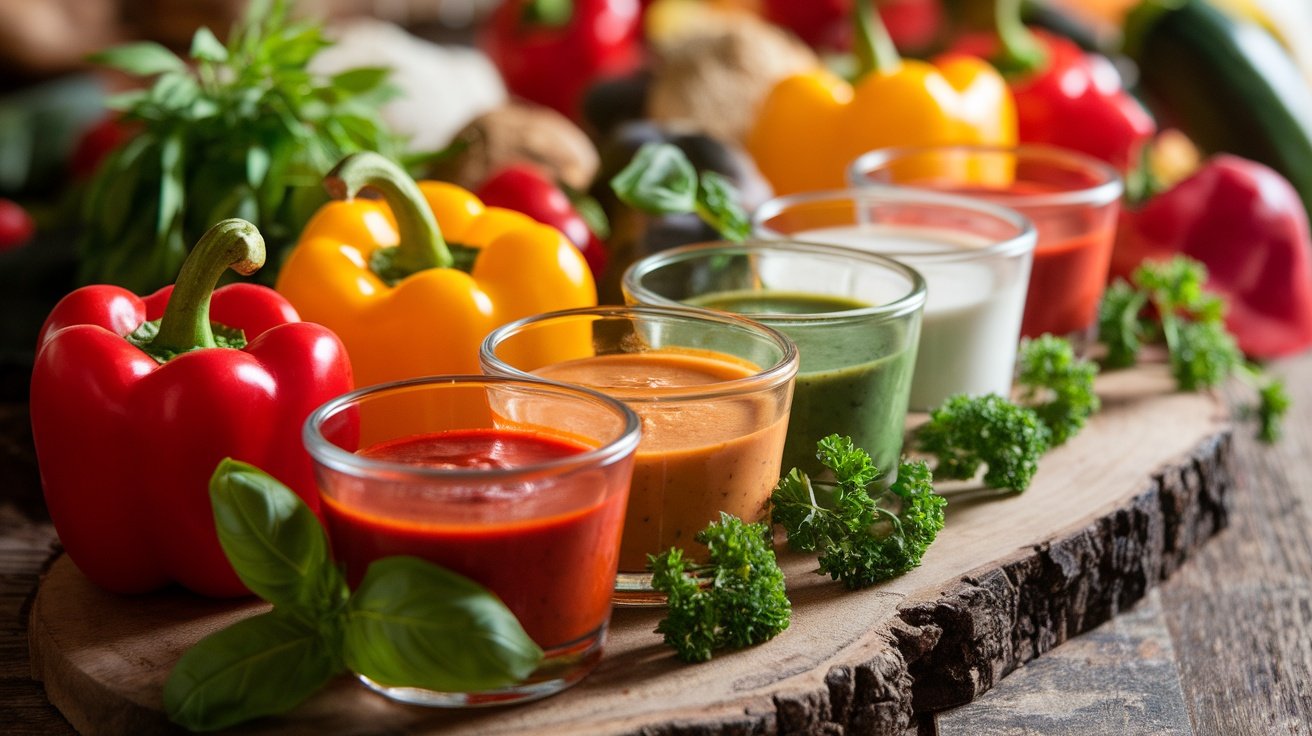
[{"x": 1109, "y": 515}]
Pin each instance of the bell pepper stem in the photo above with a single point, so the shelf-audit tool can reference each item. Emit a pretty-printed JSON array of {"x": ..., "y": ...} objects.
[
  {"x": 234, "y": 244},
  {"x": 552, "y": 13},
  {"x": 874, "y": 48},
  {"x": 421, "y": 246},
  {"x": 1019, "y": 51}
]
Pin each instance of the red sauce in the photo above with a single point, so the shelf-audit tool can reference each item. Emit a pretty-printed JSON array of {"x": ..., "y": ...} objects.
[{"x": 550, "y": 553}]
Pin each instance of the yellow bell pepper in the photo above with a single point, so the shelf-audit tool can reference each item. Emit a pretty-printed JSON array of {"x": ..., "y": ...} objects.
[
  {"x": 813, "y": 125},
  {"x": 381, "y": 275}
]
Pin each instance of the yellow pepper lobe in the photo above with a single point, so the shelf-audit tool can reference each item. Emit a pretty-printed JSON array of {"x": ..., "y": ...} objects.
[{"x": 813, "y": 125}]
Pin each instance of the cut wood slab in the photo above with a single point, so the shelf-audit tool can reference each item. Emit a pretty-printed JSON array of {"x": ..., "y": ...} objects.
[{"x": 1108, "y": 515}]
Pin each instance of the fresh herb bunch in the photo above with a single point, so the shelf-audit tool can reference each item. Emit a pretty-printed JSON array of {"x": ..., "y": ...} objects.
[
  {"x": 862, "y": 539},
  {"x": 1167, "y": 301},
  {"x": 734, "y": 601},
  {"x": 969, "y": 431},
  {"x": 1057, "y": 385},
  {"x": 660, "y": 180},
  {"x": 244, "y": 130},
  {"x": 409, "y": 623}
]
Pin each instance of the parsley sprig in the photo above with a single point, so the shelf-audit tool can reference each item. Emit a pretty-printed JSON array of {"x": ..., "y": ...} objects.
[
  {"x": 1167, "y": 301},
  {"x": 968, "y": 432},
  {"x": 1057, "y": 385},
  {"x": 862, "y": 538},
  {"x": 735, "y": 600}
]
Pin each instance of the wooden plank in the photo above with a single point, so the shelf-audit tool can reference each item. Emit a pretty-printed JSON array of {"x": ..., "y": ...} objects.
[
  {"x": 1012, "y": 577},
  {"x": 1240, "y": 614},
  {"x": 1120, "y": 678}
]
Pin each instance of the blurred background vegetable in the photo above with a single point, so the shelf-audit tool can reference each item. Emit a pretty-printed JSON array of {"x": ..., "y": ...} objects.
[
  {"x": 1227, "y": 85},
  {"x": 549, "y": 51}
]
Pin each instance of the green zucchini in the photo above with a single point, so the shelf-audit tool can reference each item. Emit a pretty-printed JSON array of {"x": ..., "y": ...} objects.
[{"x": 1227, "y": 85}]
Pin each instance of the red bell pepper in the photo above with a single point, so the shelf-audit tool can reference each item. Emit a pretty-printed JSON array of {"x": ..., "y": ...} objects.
[
  {"x": 524, "y": 188},
  {"x": 131, "y": 416},
  {"x": 1246, "y": 223},
  {"x": 1064, "y": 96},
  {"x": 549, "y": 51}
]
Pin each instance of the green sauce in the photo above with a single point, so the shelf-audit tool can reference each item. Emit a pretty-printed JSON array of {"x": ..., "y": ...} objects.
[{"x": 854, "y": 378}]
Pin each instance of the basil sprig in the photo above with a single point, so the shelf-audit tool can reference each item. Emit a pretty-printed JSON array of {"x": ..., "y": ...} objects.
[
  {"x": 409, "y": 624},
  {"x": 660, "y": 180},
  {"x": 237, "y": 130}
]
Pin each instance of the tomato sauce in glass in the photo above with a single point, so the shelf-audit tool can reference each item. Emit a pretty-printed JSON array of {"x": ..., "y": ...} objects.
[{"x": 549, "y": 553}]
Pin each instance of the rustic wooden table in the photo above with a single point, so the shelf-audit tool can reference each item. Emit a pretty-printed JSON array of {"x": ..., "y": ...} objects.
[{"x": 1222, "y": 647}]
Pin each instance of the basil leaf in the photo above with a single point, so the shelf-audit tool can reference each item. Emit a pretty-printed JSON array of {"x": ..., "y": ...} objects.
[
  {"x": 145, "y": 59},
  {"x": 259, "y": 666},
  {"x": 411, "y": 623},
  {"x": 717, "y": 204},
  {"x": 660, "y": 180},
  {"x": 270, "y": 536},
  {"x": 205, "y": 47}
]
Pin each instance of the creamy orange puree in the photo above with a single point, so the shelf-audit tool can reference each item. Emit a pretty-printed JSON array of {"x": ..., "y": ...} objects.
[{"x": 698, "y": 456}]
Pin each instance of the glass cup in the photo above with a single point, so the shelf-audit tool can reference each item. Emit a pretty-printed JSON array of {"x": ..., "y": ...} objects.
[
  {"x": 1071, "y": 198},
  {"x": 974, "y": 257},
  {"x": 713, "y": 391},
  {"x": 854, "y": 315},
  {"x": 519, "y": 485}
]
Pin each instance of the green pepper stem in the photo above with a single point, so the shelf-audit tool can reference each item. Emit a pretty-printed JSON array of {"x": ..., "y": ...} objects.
[
  {"x": 874, "y": 48},
  {"x": 552, "y": 13},
  {"x": 421, "y": 246},
  {"x": 1019, "y": 51},
  {"x": 234, "y": 244}
]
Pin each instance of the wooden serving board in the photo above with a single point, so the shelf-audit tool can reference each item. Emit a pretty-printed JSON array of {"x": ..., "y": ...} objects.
[{"x": 1108, "y": 516}]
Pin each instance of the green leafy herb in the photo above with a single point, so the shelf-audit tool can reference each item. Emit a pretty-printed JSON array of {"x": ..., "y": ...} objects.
[
  {"x": 259, "y": 666},
  {"x": 734, "y": 601},
  {"x": 410, "y": 623},
  {"x": 660, "y": 180},
  {"x": 862, "y": 539},
  {"x": 967, "y": 432},
  {"x": 1119, "y": 325},
  {"x": 273, "y": 540},
  {"x": 1190, "y": 320},
  {"x": 1057, "y": 385},
  {"x": 244, "y": 131},
  {"x": 400, "y": 632}
]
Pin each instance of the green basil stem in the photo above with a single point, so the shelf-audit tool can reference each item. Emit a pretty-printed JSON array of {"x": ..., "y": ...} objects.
[
  {"x": 873, "y": 46},
  {"x": 421, "y": 246},
  {"x": 234, "y": 244},
  {"x": 1019, "y": 51}
]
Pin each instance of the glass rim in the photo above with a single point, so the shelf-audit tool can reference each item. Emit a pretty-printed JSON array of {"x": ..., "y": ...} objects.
[
  {"x": 782, "y": 371},
  {"x": 906, "y": 304},
  {"x": 328, "y": 454},
  {"x": 1106, "y": 190},
  {"x": 1022, "y": 242}
]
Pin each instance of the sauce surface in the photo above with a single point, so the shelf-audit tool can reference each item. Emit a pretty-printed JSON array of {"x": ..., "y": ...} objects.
[
  {"x": 698, "y": 456},
  {"x": 555, "y": 572}
]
